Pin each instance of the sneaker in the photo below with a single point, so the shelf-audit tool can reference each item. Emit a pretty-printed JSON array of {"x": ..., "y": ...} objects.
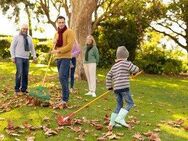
[
  {"x": 89, "y": 93},
  {"x": 93, "y": 94}
]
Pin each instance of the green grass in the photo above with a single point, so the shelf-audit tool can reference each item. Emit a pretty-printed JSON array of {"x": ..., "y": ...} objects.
[{"x": 157, "y": 98}]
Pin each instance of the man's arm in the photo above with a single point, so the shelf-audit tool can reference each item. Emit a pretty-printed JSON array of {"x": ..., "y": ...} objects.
[{"x": 13, "y": 48}]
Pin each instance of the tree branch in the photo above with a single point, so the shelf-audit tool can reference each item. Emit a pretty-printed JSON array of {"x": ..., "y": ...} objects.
[
  {"x": 172, "y": 30},
  {"x": 172, "y": 37}
]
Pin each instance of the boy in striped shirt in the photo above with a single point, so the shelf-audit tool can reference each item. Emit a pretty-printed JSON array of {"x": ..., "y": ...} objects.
[{"x": 117, "y": 79}]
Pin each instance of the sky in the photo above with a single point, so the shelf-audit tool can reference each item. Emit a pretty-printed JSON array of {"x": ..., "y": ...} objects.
[{"x": 8, "y": 27}]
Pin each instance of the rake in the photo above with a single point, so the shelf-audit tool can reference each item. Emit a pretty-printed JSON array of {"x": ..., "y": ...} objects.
[
  {"x": 41, "y": 92},
  {"x": 66, "y": 120}
]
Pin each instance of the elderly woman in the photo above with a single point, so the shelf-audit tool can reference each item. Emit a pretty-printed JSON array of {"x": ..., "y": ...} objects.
[{"x": 91, "y": 59}]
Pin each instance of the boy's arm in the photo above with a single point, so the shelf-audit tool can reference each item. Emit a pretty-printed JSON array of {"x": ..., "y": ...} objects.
[
  {"x": 133, "y": 68},
  {"x": 109, "y": 81}
]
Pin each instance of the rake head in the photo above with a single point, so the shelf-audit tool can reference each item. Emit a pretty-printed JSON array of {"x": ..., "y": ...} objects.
[
  {"x": 40, "y": 93},
  {"x": 64, "y": 120}
]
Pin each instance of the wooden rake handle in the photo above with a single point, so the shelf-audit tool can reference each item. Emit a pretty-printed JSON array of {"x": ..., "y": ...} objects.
[
  {"x": 89, "y": 103},
  {"x": 49, "y": 61}
]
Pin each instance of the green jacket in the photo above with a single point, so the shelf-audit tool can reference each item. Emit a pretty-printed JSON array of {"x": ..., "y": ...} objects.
[{"x": 93, "y": 55}]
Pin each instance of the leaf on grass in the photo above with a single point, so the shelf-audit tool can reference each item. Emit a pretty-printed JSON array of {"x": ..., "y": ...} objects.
[
  {"x": 113, "y": 137},
  {"x": 101, "y": 139},
  {"x": 81, "y": 137},
  {"x": 120, "y": 134},
  {"x": 77, "y": 121},
  {"x": 75, "y": 128},
  {"x": 106, "y": 120},
  {"x": 16, "y": 139},
  {"x": 177, "y": 123},
  {"x": 2, "y": 137},
  {"x": 10, "y": 125},
  {"x": 2, "y": 119},
  {"x": 154, "y": 137},
  {"x": 157, "y": 129},
  {"x": 49, "y": 132},
  {"x": 138, "y": 136},
  {"x": 31, "y": 138},
  {"x": 46, "y": 119},
  {"x": 133, "y": 121},
  {"x": 186, "y": 128}
]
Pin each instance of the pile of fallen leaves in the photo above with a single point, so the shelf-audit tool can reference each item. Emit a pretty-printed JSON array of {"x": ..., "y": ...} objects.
[
  {"x": 151, "y": 136},
  {"x": 179, "y": 123}
]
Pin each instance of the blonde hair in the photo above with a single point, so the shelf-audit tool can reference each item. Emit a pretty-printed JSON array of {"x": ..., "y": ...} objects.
[{"x": 92, "y": 38}]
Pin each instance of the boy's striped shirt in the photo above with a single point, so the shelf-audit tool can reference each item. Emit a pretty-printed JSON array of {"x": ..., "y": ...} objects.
[{"x": 118, "y": 77}]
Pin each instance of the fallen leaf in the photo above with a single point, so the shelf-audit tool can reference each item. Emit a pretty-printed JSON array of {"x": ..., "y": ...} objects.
[
  {"x": 138, "y": 136},
  {"x": 154, "y": 137},
  {"x": 113, "y": 137},
  {"x": 157, "y": 129},
  {"x": 186, "y": 128},
  {"x": 48, "y": 131},
  {"x": 75, "y": 128},
  {"x": 16, "y": 139},
  {"x": 46, "y": 119},
  {"x": 30, "y": 138},
  {"x": 120, "y": 134},
  {"x": 106, "y": 119},
  {"x": 101, "y": 139},
  {"x": 2, "y": 119},
  {"x": 2, "y": 137}
]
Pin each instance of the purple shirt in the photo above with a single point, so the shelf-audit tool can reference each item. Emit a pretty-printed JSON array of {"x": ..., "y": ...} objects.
[{"x": 75, "y": 49}]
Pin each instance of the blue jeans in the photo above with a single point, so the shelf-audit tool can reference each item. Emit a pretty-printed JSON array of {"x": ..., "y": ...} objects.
[
  {"x": 22, "y": 69},
  {"x": 73, "y": 60},
  {"x": 120, "y": 97},
  {"x": 63, "y": 66}
]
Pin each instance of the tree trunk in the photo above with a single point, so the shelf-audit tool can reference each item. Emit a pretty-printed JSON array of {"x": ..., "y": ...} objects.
[{"x": 81, "y": 23}]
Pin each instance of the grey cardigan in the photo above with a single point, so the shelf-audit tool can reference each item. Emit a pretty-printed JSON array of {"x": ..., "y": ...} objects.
[{"x": 17, "y": 47}]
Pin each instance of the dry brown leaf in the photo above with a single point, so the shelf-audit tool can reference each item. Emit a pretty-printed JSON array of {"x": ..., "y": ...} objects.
[
  {"x": 154, "y": 137},
  {"x": 101, "y": 139},
  {"x": 138, "y": 136},
  {"x": 75, "y": 128},
  {"x": 113, "y": 137},
  {"x": 81, "y": 137},
  {"x": 31, "y": 138},
  {"x": 77, "y": 121},
  {"x": 106, "y": 119},
  {"x": 2, "y": 119},
  {"x": 48, "y": 131},
  {"x": 16, "y": 139},
  {"x": 157, "y": 129},
  {"x": 186, "y": 128},
  {"x": 2, "y": 137},
  {"x": 10, "y": 125},
  {"x": 120, "y": 134}
]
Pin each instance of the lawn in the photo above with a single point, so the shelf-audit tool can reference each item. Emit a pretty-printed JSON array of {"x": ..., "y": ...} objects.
[{"x": 160, "y": 107}]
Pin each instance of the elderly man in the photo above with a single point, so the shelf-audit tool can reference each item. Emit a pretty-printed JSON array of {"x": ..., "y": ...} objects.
[
  {"x": 64, "y": 39},
  {"x": 20, "y": 49}
]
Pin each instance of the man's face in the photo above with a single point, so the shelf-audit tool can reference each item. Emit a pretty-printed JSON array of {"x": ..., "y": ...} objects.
[
  {"x": 24, "y": 30},
  {"x": 60, "y": 23}
]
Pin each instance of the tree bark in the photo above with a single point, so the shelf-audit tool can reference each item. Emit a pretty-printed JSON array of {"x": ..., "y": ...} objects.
[{"x": 81, "y": 23}]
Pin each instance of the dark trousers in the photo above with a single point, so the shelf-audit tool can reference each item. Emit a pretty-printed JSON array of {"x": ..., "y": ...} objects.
[
  {"x": 22, "y": 69},
  {"x": 63, "y": 66},
  {"x": 72, "y": 72}
]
